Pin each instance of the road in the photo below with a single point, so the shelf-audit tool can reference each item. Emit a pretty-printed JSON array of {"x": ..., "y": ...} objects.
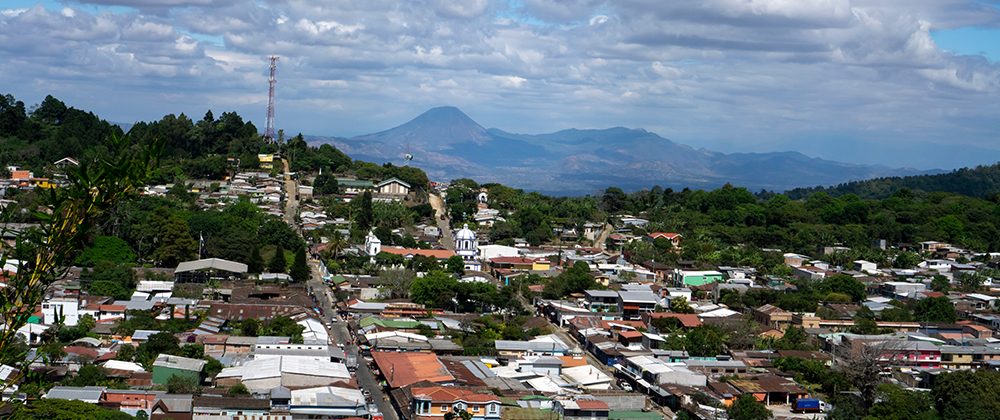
[
  {"x": 602, "y": 237},
  {"x": 338, "y": 331},
  {"x": 444, "y": 224}
]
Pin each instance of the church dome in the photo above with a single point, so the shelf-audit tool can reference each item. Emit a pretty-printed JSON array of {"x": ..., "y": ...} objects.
[{"x": 465, "y": 234}]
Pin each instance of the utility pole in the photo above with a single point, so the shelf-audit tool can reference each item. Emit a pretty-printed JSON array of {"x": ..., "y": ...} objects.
[{"x": 271, "y": 81}]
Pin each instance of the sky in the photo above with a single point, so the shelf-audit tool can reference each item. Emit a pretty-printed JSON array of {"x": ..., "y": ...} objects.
[{"x": 899, "y": 82}]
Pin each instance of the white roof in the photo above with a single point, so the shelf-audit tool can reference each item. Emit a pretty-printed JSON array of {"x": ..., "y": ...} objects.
[
  {"x": 544, "y": 384},
  {"x": 268, "y": 366},
  {"x": 980, "y": 296},
  {"x": 316, "y": 396},
  {"x": 211, "y": 263},
  {"x": 700, "y": 273},
  {"x": 393, "y": 334},
  {"x": 585, "y": 375},
  {"x": 465, "y": 234},
  {"x": 718, "y": 313},
  {"x": 123, "y": 365}
]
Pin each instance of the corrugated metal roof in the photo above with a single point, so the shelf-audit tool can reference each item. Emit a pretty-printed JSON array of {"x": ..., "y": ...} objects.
[{"x": 211, "y": 264}]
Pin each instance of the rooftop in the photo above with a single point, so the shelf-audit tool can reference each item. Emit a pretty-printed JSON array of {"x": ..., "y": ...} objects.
[{"x": 402, "y": 369}]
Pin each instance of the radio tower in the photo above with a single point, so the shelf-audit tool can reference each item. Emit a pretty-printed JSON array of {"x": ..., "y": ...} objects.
[{"x": 269, "y": 132}]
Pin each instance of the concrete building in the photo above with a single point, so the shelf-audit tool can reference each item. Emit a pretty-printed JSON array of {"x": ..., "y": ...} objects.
[{"x": 167, "y": 365}]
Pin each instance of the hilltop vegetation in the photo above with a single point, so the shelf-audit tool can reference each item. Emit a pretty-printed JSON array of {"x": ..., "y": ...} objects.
[{"x": 981, "y": 181}]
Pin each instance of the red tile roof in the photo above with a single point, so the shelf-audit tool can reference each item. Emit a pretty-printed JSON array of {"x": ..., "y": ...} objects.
[
  {"x": 630, "y": 334},
  {"x": 451, "y": 395},
  {"x": 668, "y": 235},
  {"x": 402, "y": 369},
  {"x": 592, "y": 404},
  {"x": 511, "y": 260},
  {"x": 687, "y": 320},
  {"x": 441, "y": 254}
]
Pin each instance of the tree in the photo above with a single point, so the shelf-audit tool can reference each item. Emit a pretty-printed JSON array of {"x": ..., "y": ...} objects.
[
  {"x": 396, "y": 283},
  {"x": 746, "y": 407},
  {"x": 436, "y": 289},
  {"x": 896, "y": 403},
  {"x": 969, "y": 281},
  {"x": 70, "y": 212},
  {"x": 455, "y": 265},
  {"x": 906, "y": 260},
  {"x": 238, "y": 389},
  {"x": 107, "y": 248},
  {"x": 57, "y": 409},
  {"x": 967, "y": 394},
  {"x": 88, "y": 375},
  {"x": 940, "y": 283},
  {"x": 365, "y": 217},
  {"x": 325, "y": 184},
  {"x": 935, "y": 309},
  {"x": 255, "y": 264},
  {"x": 681, "y": 305},
  {"x": 182, "y": 385},
  {"x": 844, "y": 284},
  {"x": 300, "y": 271},
  {"x": 250, "y": 327},
  {"x": 793, "y": 339},
  {"x": 864, "y": 369},
  {"x": 705, "y": 340},
  {"x": 174, "y": 241},
  {"x": 277, "y": 263}
]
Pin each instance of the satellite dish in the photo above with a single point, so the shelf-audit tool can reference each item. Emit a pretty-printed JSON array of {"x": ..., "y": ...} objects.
[{"x": 407, "y": 157}]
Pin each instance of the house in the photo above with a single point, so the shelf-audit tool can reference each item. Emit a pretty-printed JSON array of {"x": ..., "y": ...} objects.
[
  {"x": 393, "y": 187},
  {"x": 633, "y": 303},
  {"x": 865, "y": 266},
  {"x": 266, "y": 161},
  {"x": 684, "y": 278},
  {"x": 674, "y": 238},
  {"x": 130, "y": 400},
  {"x": 591, "y": 230},
  {"x": 172, "y": 407},
  {"x": 352, "y": 187},
  {"x": 684, "y": 321},
  {"x": 581, "y": 409},
  {"x": 167, "y": 365},
  {"x": 601, "y": 300},
  {"x": 65, "y": 308},
  {"x": 267, "y": 371},
  {"x": 795, "y": 260},
  {"x": 327, "y": 402},
  {"x": 772, "y": 316},
  {"x": 436, "y": 401},
  {"x": 206, "y": 407},
  {"x": 87, "y": 394},
  {"x": 547, "y": 345},
  {"x": 770, "y": 389},
  {"x": 403, "y": 369},
  {"x": 657, "y": 372}
]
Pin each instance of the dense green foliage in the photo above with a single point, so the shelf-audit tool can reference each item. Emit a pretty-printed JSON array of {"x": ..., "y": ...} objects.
[
  {"x": 981, "y": 181},
  {"x": 55, "y": 409},
  {"x": 747, "y": 407},
  {"x": 970, "y": 395}
]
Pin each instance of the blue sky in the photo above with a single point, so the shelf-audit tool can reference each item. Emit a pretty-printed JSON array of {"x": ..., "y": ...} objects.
[{"x": 870, "y": 81}]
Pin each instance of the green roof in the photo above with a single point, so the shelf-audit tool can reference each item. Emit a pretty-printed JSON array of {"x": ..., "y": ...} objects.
[
  {"x": 361, "y": 183},
  {"x": 634, "y": 415},
  {"x": 338, "y": 279},
  {"x": 34, "y": 320}
]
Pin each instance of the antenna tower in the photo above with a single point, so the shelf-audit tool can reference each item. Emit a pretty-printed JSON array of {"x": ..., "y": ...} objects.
[{"x": 269, "y": 132}]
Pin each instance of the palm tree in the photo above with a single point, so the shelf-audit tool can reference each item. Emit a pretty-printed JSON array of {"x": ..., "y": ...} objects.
[{"x": 337, "y": 243}]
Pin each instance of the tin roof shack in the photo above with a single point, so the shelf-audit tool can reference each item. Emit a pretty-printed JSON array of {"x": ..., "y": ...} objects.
[{"x": 167, "y": 365}]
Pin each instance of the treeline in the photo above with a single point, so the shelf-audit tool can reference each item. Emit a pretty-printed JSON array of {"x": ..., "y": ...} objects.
[{"x": 981, "y": 181}]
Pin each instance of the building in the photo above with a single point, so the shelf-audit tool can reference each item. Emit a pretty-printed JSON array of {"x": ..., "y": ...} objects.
[
  {"x": 65, "y": 308},
  {"x": 674, "y": 238},
  {"x": 581, "y": 409},
  {"x": 696, "y": 278},
  {"x": 403, "y": 369},
  {"x": 167, "y": 365},
  {"x": 634, "y": 303},
  {"x": 435, "y": 402},
  {"x": 657, "y": 372},
  {"x": 772, "y": 316},
  {"x": 467, "y": 247},
  {"x": 327, "y": 402},
  {"x": 214, "y": 407},
  {"x": 131, "y": 400},
  {"x": 172, "y": 407},
  {"x": 87, "y": 394},
  {"x": 393, "y": 187},
  {"x": 770, "y": 389},
  {"x": 601, "y": 300},
  {"x": 209, "y": 269},
  {"x": 267, "y": 371},
  {"x": 545, "y": 345}
]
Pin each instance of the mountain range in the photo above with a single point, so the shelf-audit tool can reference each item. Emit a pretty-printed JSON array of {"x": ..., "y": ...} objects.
[{"x": 447, "y": 144}]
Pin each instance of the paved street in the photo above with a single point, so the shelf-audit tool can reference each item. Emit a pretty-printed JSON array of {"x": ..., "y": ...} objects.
[{"x": 338, "y": 330}]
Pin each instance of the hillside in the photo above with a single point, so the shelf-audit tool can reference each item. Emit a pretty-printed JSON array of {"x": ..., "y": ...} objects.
[
  {"x": 981, "y": 181},
  {"x": 449, "y": 144}
]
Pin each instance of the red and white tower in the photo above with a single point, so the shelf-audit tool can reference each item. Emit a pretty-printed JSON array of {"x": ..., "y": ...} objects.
[{"x": 269, "y": 132}]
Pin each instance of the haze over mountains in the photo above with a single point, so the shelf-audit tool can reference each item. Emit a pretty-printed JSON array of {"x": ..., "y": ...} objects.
[{"x": 448, "y": 144}]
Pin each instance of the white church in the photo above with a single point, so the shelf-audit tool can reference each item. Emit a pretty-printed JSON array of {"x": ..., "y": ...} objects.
[{"x": 467, "y": 247}]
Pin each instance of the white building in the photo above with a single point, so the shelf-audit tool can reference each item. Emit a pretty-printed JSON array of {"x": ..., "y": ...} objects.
[
  {"x": 373, "y": 245},
  {"x": 467, "y": 247},
  {"x": 66, "y": 308},
  {"x": 489, "y": 252}
]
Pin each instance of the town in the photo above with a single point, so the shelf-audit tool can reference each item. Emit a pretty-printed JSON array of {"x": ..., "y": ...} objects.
[{"x": 299, "y": 284}]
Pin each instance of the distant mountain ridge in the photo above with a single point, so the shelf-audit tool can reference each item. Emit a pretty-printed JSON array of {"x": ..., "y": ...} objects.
[
  {"x": 449, "y": 144},
  {"x": 981, "y": 181}
]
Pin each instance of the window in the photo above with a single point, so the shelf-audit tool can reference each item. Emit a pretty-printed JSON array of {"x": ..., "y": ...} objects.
[
  {"x": 492, "y": 409},
  {"x": 475, "y": 409},
  {"x": 444, "y": 408}
]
